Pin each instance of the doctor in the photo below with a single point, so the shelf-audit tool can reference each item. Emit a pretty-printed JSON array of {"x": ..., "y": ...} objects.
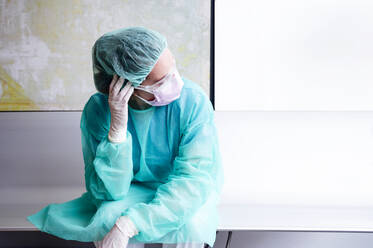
[{"x": 153, "y": 170}]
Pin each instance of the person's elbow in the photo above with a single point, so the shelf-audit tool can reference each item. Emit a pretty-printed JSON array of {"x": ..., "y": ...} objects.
[{"x": 100, "y": 192}]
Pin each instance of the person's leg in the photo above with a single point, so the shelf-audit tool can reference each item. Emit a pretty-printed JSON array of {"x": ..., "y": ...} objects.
[{"x": 184, "y": 245}]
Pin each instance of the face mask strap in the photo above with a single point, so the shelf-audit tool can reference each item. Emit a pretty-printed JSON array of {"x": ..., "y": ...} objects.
[
  {"x": 144, "y": 89},
  {"x": 146, "y": 101},
  {"x": 150, "y": 88}
]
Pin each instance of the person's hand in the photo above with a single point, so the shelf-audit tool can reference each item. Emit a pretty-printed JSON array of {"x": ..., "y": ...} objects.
[
  {"x": 115, "y": 239},
  {"x": 126, "y": 226},
  {"x": 118, "y": 103}
]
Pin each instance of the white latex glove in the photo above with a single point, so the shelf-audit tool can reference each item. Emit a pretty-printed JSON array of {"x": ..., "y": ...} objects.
[
  {"x": 119, "y": 235},
  {"x": 126, "y": 226},
  {"x": 115, "y": 239},
  {"x": 118, "y": 103}
]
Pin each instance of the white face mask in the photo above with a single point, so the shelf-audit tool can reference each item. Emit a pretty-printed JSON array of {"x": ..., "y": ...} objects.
[{"x": 165, "y": 90}]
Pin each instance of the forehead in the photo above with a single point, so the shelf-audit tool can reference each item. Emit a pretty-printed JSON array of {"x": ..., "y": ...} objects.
[{"x": 163, "y": 66}]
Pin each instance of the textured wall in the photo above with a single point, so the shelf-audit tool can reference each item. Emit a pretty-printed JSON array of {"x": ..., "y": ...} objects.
[{"x": 45, "y": 46}]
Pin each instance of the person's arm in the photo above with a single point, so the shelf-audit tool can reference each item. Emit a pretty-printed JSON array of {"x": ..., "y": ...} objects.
[
  {"x": 108, "y": 165},
  {"x": 190, "y": 183}
]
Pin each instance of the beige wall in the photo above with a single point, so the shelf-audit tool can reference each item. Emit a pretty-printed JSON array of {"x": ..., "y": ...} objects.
[{"x": 45, "y": 46}]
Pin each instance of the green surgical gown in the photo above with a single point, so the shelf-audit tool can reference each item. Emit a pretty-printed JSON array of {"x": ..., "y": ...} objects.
[{"x": 166, "y": 176}]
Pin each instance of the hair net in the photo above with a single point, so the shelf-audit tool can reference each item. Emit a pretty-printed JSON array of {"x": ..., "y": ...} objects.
[{"x": 128, "y": 52}]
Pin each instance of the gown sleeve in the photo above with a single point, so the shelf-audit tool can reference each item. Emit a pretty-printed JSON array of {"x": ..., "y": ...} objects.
[
  {"x": 190, "y": 182},
  {"x": 108, "y": 166}
]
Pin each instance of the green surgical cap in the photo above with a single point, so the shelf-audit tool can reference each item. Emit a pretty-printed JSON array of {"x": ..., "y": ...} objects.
[{"x": 128, "y": 52}]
